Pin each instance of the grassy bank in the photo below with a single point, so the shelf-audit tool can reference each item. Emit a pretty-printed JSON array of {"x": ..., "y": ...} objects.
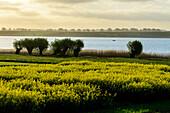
[
  {"x": 87, "y": 34},
  {"x": 55, "y": 60}
]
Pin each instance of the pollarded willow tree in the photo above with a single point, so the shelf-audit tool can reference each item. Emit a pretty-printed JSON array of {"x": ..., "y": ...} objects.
[
  {"x": 65, "y": 45},
  {"x": 18, "y": 46},
  {"x": 41, "y": 44},
  {"x": 29, "y": 44},
  {"x": 78, "y": 45},
  {"x": 56, "y": 46}
]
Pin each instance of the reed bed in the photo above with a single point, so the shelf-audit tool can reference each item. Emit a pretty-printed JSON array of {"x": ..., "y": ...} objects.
[
  {"x": 115, "y": 53},
  {"x": 93, "y": 52}
]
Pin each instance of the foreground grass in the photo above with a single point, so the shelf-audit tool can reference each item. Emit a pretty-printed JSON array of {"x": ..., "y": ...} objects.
[{"x": 55, "y": 60}]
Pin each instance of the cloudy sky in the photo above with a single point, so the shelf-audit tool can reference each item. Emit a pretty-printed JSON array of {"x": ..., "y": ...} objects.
[{"x": 85, "y": 13}]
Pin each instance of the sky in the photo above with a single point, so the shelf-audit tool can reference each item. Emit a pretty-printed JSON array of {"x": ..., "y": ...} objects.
[{"x": 44, "y": 14}]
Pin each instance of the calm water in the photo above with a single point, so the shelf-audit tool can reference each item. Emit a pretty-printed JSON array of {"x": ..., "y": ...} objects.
[{"x": 153, "y": 45}]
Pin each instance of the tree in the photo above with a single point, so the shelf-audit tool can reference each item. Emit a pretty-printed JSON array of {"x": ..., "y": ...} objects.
[
  {"x": 78, "y": 30},
  {"x": 29, "y": 44},
  {"x": 41, "y": 44},
  {"x": 109, "y": 30},
  {"x": 65, "y": 45},
  {"x": 18, "y": 46},
  {"x": 73, "y": 30},
  {"x": 56, "y": 46},
  {"x": 93, "y": 30},
  {"x": 135, "y": 48},
  {"x": 60, "y": 29},
  {"x": 78, "y": 45},
  {"x": 4, "y": 29},
  {"x": 101, "y": 30}
]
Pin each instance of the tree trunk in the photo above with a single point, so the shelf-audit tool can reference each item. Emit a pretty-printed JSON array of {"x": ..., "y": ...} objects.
[
  {"x": 40, "y": 52},
  {"x": 29, "y": 51},
  {"x": 18, "y": 50},
  {"x": 76, "y": 52},
  {"x": 132, "y": 54},
  {"x": 64, "y": 51}
]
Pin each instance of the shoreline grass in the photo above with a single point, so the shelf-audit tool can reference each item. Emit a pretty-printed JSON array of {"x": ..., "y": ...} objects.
[
  {"x": 95, "y": 53},
  {"x": 115, "y": 53}
]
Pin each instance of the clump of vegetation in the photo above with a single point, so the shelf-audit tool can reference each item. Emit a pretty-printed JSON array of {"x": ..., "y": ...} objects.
[
  {"x": 58, "y": 46},
  {"x": 62, "y": 46},
  {"x": 135, "y": 48}
]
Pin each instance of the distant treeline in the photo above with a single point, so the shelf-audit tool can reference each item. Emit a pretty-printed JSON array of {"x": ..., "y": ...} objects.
[
  {"x": 89, "y": 30},
  {"x": 87, "y": 34}
]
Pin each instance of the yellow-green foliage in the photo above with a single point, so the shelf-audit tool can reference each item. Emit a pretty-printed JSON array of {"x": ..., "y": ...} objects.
[{"x": 83, "y": 85}]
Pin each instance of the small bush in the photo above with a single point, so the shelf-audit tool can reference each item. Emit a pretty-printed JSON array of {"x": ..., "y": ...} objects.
[{"x": 135, "y": 48}]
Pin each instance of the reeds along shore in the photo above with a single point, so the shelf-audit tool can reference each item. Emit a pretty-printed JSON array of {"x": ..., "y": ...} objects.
[{"x": 97, "y": 53}]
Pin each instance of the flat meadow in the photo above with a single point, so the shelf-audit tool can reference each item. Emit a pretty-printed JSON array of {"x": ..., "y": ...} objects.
[{"x": 84, "y": 84}]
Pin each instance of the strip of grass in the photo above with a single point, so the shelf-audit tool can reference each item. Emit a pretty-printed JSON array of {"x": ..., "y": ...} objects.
[
  {"x": 154, "y": 107},
  {"x": 87, "y": 34},
  {"x": 2, "y": 64},
  {"x": 55, "y": 60}
]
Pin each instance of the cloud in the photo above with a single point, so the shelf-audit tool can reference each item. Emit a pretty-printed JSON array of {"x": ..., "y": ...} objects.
[
  {"x": 9, "y": 9},
  {"x": 6, "y": 6},
  {"x": 65, "y": 1},
  {"x": 111, "y": 15},
  {"x": 5, "y": 3},
  {"x": 28, "y": 13},
  {"x": 133, "y": 0}
]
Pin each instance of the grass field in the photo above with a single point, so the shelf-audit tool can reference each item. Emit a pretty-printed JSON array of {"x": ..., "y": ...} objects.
[
  {"x": 87, "y": 34},
  {"x": 84, "y": 84},
  {"x": 55, "y": 60}
]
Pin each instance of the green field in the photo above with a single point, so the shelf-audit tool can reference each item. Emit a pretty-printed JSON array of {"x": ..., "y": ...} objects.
[
  {"x": 87, "y": 34},
  {"x": 84, "y": 84}
]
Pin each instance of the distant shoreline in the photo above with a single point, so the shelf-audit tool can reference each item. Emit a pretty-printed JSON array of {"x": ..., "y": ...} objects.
[{"x": 87, "y": 34}]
